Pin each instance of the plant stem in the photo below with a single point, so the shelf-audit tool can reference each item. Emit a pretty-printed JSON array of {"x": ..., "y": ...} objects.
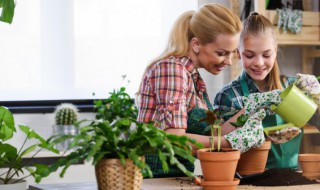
[
  {"x": 219, "y": 137},
  {"x": 212, "y": 139}
]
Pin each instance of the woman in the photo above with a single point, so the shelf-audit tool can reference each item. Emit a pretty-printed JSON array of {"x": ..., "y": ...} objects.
[
  {"x": 258, "y": 52},
  {"x": 172, "y": 92}
]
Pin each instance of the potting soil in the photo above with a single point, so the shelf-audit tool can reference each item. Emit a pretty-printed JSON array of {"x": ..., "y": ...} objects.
[{"x": 277, "y": 177}]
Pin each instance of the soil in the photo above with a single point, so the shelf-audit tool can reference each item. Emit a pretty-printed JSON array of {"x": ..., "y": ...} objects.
[{"x": 276, "y": 177}]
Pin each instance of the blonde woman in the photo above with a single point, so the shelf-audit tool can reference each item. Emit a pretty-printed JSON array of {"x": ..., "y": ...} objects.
[{"x": 172, "y": 92}]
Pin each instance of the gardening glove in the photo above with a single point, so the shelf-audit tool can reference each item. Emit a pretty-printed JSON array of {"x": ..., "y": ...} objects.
[
  {"x": 309, "y": 85},
  {"x": 284, "y": 135},
  {"x": 250, "y": 135},
  {"x": 255, "y": 101}
]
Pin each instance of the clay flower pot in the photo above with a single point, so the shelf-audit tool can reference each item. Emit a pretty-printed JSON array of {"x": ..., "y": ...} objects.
[
  {"x": 310, "y": 165},
  {"x": 255, "y": 160},
  {"x": 218, "y": 166},
  {"x": 220, "y": 185}
]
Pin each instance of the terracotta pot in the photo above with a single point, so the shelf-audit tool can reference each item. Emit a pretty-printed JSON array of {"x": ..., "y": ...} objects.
[
  {"x": 310, "y": 165},
  {"x": 255, "y": 160},
  {"x": 220, "y": 185},
  {"x": 311, "y": 176},
  {"x": 218, "y": 166}
]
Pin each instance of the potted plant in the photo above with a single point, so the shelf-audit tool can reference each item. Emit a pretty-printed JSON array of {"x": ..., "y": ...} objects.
[
  {"x": 11, "y": 157},
  {"x": 254, "y": 160},
  {"x": 116, "y": 143},
  {"x": 66, "y": 116},
  {"x": 218, "y": 164}
]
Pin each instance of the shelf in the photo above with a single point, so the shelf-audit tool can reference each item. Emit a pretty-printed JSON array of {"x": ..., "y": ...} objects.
[{"x": 310, "y": 31}]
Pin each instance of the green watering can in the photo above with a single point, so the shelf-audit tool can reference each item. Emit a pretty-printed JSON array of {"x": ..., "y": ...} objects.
[{"x": 296, "y": 108}]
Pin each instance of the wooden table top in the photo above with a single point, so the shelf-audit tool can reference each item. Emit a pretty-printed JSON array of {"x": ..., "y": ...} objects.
[{"x": 167, "y": 184}]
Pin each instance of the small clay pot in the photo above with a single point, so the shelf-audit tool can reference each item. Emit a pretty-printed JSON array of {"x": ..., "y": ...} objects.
[
  {"x": 220, "y": 185},
  {"x": 311, "y": 176},
  {"x": 310, "y": 165},
  {"x": 218, "y": 166},
  {"x": 255, "y": 160}
]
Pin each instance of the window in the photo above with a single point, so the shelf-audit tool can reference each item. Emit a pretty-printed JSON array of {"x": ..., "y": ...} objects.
[{"x": 63, "y": 49}]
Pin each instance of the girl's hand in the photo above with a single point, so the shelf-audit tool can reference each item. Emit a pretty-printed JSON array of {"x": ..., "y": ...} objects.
[
  {"x": 309, "y": 85},
  {"x": 284, "y": 135},
  {"x": 256, "y": 101}
]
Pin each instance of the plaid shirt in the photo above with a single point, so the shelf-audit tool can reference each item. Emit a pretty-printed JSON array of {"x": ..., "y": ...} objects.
[
  {"x": 228, "y": 99},
  {"x": 170, "y": 88}
]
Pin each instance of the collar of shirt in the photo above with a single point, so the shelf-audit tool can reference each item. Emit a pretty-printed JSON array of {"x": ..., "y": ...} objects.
[
  {"x": 253, "y": 88},
  {"x": 198, "y": 81}
]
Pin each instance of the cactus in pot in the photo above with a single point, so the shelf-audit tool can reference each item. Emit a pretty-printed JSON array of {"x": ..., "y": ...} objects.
[{"x": 66, "y": 116}]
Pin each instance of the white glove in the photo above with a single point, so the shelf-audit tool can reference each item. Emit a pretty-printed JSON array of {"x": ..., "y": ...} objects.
[
  {"x": 284, "y": 135},
  {"x": 309, "y": 85},
  {"x": 250, "y": 135},
  {"x": 256, "y": 101}
]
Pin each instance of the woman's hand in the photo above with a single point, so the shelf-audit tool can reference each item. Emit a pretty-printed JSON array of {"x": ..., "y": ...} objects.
[
  {"x": 256, "y": 101},
  {"x": 250, "y": 135}
]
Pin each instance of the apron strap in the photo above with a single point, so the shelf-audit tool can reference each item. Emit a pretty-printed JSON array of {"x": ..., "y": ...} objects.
[{"x": 246, "y": 92}]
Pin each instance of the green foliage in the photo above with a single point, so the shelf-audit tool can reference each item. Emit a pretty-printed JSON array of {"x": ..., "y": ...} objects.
[
  {"x": 118, "y": 105},
  {"x": 117, "y": 134},
  {"x": 66, "y": 114},
  {"x": 7, "y": 7},
  {"x": 10, "y": 156},
  {"x": 241, "y": 120}
]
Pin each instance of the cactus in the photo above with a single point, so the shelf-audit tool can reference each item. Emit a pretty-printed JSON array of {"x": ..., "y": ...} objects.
[{"x": 66, "y": 114}]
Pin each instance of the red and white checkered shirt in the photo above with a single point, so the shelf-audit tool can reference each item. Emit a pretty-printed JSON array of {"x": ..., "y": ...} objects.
[{"x": 168, "y": 92}]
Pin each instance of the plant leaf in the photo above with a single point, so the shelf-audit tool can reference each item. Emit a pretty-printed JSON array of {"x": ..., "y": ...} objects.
[
  {"x": 7, "y": 11},
  {"x": 7, "y": 127}
]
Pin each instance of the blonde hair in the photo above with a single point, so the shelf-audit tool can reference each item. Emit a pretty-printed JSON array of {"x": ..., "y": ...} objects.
[
  {"x": 255, "y": 25},
  {"x": 205, "y": 24}
]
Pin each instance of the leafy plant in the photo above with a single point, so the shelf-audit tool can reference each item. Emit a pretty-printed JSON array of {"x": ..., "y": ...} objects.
[
  {"x": 118, "y": 105},
  {"x": 117, "y": 134},
  {"x": 7, "y": 13},
  {"x": 66, "y": 114},
  {"x": 213, "y": 119},
  {"x": 11, "y": 157}
]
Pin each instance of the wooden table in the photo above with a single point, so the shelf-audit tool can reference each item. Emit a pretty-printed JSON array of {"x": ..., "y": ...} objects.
[{"x": 166, "y": 184}]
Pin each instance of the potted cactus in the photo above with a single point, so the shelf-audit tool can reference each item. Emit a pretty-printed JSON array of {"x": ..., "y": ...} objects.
[{"x": 66, "y": 116}]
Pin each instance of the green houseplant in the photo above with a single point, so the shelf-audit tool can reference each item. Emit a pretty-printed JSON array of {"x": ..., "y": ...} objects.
[
  {"x": 11, "y": 158},
  {"x": 117, "y": 135},
  {"x": 66, "y": 117}
]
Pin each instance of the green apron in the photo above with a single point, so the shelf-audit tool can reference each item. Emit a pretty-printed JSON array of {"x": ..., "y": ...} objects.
[
  {"x": 194, "y": 127},
  {"x": 280, "y": 155}
]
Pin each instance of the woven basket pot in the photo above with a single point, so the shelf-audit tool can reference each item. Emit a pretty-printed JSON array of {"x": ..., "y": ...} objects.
[{"x": 112, "y": 175}]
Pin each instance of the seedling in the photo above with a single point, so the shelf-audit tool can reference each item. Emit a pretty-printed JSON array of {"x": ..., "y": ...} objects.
[{"x": 213, "y": 119}]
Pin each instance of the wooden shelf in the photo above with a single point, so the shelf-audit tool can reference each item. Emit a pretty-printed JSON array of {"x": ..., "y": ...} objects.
[{"x": 310, "y": 31}]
